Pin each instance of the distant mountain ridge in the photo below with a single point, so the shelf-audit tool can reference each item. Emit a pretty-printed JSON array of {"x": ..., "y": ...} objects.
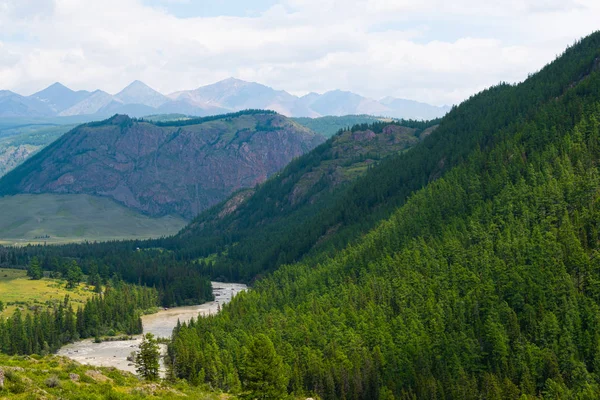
[
  {"x": 59, "y": 97},
  {"x": 164, "y": 168},
  {"x": 229, "y": 95},
  {"x": 15, "y": 105},
  {"x": 140, "y": 93}
]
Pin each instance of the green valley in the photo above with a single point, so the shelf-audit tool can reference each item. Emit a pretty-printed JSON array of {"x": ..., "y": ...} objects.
[
  {"x": 56, "y": 218},
  {"x": 334, "y": 258},
  {"x": 257, "y": 230}
]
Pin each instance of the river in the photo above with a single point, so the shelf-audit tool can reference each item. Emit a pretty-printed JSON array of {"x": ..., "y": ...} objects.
[{"x": 161, "y": 324}]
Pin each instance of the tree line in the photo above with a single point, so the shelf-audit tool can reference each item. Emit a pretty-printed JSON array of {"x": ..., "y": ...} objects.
[
  {"x": 179, "y": 281},
  {"x": 117, "y": 310}
]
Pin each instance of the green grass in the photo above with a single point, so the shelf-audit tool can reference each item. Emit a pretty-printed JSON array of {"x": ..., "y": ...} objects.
[
  {"x": 211, "y": 258},
  {"x": 330, "y": 125},
  {"x": 17, "y": 290},
  {"x": 60, "y": 378},
  {"x": 74, "y": 218}
]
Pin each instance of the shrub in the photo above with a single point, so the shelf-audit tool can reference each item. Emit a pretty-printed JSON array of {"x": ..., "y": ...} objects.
[
  {"x": 17, "y": 387},
  {"x": 53, "y": 382}
]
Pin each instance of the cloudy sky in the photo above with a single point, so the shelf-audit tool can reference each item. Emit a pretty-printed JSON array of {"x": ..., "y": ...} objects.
[{"x": 435, "y": 51}]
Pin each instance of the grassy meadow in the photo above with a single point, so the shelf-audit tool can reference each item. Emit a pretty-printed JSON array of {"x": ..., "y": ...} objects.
[
  {"x": 66, "y": 218},
  {"x": 17, "y": 290}
]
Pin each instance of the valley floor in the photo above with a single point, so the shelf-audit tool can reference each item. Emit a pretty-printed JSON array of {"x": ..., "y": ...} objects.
[
  {"x": 67, "y": 218},
  {"x": 19, "y": 291}
]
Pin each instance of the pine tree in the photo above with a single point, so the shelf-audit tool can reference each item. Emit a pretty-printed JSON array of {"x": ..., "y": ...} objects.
[
  {"x": 74, "y": 275},
  {"x": 34, "y": 270},
  {"x": 146, "y": 360},
  {"x": 264, "y": 371},
  {"x": 95, "y": 281}
]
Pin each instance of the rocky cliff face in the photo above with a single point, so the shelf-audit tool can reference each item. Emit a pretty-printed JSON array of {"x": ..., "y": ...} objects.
[
  {"x": 178, "y": 168},
  {"x": 11, "y": 156},
  {"x": 302, "y": 187}
]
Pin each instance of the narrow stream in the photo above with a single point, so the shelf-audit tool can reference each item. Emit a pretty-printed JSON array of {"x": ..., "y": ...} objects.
[{"x": 161, "y": 324}]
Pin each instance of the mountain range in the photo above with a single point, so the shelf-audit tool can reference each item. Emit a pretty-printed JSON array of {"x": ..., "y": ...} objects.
[
  {"x": 177, "y": 168},
  {"x": 229, "y": 95}
]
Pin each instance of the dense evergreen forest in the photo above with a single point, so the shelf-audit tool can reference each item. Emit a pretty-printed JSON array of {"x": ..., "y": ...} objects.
[
  {"x": 117, "y": 310},
  {"x": 178, "y": 282},
  {"x": 330, "y": 125},
  {"x": 253, "y": 246},
  {"x": 278, "y": 223},
  {"x": 483, "y": 284}
]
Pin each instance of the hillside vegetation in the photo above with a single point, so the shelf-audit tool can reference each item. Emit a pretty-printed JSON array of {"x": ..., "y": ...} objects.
[
  {"x": 256, "y": 230},
  {"x": 330, "y": 125},
  {"x": 482, "y": 284},
  {"x": 60, "y": 378}
]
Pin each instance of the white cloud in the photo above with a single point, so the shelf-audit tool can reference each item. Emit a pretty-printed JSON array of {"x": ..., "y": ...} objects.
[{"x": 434, "y": 51}]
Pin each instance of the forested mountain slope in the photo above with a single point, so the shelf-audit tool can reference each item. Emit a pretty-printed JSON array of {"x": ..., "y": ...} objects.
[
  {"x": 252, "y": 231},
  {"x": 177, "y": 167},
  {"x": 259, "y": 227},
  {"x": 483, "y": 284},
  {"x": 373, "y": 197}
]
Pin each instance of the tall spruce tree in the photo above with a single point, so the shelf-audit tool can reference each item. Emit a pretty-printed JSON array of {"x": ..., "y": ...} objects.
[
  {"x": 265, "y": 374},
  {"x": 34, "y": 270},
  {"x": 147, "y": 359},
  {"x": 74, "y": 275}
]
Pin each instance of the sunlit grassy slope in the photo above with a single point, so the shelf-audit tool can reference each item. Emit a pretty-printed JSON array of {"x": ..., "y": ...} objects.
[
  {"x": 60, "y": 378},
  {"x": 17, "y": 290}
]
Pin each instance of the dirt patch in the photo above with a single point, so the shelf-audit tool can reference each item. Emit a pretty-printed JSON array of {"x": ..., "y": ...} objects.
[
  {"x": 155, "y": 389},
  {"x": 97, "y": 376}
]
